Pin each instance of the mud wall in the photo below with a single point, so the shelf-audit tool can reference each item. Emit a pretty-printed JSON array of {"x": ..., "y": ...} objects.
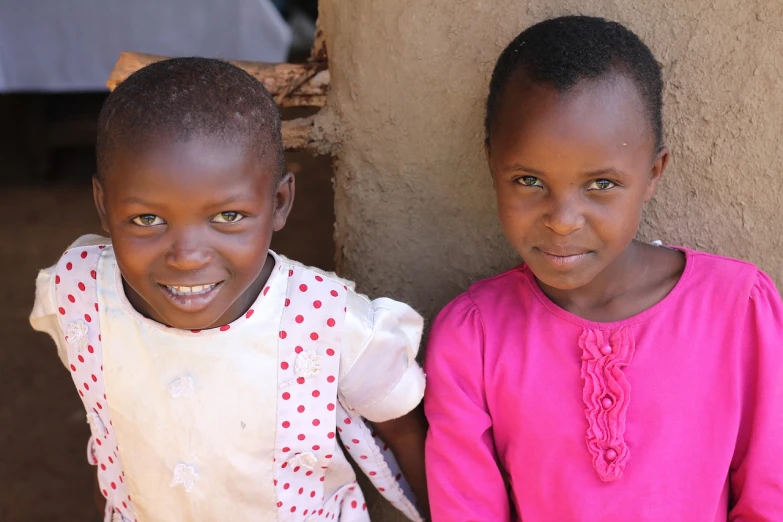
[{"x": 414, "y": 204}]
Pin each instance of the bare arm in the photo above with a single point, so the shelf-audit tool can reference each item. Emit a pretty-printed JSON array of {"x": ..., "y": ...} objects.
[{"x": 405, "y": 436}]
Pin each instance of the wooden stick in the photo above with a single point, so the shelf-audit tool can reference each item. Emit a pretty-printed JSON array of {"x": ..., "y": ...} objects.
[
  {"x": 292, "y": 85},
  {"x": 298, "y": 134}
]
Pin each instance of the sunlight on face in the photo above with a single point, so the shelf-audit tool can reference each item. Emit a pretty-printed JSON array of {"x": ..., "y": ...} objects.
[
  {"x": 571, "y": 172},
  {"x": 191, "y": 223}
]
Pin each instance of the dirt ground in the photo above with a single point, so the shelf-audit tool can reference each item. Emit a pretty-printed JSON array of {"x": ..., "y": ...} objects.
[{"x": 44, "y": 475}]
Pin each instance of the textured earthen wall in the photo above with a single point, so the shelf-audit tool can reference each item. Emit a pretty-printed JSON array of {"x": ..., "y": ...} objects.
[{"x": 414, "y": 203}]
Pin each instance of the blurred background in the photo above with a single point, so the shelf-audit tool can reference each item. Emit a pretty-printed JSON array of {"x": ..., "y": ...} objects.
[{"x": 55, "y": 58}]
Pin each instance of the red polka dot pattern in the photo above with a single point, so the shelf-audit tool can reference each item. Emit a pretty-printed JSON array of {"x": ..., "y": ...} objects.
[
  {"x": 308, "y": 414},
  {"x": 376, "y": 460},
  {"x": 305, "y": 421},
  {"x": 77, "y": 298}
]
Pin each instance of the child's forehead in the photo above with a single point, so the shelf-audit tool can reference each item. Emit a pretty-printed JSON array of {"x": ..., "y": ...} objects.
[
  {"x": 592, "y": 121},
  {"x": 208, "y": 162},
  {"x": 202, "y": 150},
  {"x": 612, "y": 98}
]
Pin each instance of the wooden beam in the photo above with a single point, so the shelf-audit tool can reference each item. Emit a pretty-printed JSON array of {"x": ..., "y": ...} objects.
[
  {"x": 292, "y": 85},
  {"x": 298, "y": 134}
]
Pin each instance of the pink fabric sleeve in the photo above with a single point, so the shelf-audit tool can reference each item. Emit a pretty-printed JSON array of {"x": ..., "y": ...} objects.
[
  {"x": 757, "y": 468},
  {"x": 463, "y": 478}
]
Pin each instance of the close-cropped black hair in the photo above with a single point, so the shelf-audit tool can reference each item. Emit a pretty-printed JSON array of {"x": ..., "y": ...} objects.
[
  {"x": 183, "y": 98},
  {"x": 561, "y": 52}
]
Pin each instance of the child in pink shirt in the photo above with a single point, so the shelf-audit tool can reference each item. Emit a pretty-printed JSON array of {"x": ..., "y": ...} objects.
[{"x": 604, "y": 379}]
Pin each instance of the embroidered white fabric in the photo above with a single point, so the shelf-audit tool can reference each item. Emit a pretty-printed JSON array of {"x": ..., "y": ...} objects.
[
  {"x": 77, "y": 335},
  {"x": 96, "y": 424},
  {"x": 307, "y": 364},
  {"x": 305, "y": 460},
  {"x": 182, "y": 387},
  {"x": 184, "y": 475}
]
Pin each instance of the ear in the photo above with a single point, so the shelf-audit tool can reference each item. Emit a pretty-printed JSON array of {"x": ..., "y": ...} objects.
[
  {"x": 284, "y": 200},
  {"x": 662, "y": 158},
  {"x": 98, "y": 195}
]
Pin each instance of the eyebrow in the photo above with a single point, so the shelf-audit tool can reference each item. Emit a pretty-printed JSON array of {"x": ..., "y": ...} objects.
[{"x": 516, "y": 167}]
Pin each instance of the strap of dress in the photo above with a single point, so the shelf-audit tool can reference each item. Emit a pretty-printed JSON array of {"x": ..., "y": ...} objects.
[{"x": 76, "y": 295}]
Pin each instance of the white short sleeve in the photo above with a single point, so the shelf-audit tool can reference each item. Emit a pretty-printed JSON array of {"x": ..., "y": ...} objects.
[
  {"x": 379, "y": 376},
  {"x": 43, "y": 318}
]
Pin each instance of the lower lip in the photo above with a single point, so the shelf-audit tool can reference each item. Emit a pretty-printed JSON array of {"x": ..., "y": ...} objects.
[
  {"x": 563, "y": 262},
  {"x": 192, "y": 303}
]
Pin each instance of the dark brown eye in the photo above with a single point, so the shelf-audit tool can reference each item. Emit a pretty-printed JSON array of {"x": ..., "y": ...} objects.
[
  {"x": 530, "y": 181},
  {"x": 601, "y": 184},
  {"x": 228, "y": 217},
  {"x": 148, "y": 220}
]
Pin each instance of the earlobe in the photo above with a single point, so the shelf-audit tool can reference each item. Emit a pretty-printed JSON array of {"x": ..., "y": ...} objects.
[
  {"x": 284, "y": 200},
  {"x": 98, "y": 195},
  {"x": 662, "y": 158}
]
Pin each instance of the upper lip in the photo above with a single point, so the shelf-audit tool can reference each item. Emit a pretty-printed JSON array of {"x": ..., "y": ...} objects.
[{"x": 565, "y": 251}]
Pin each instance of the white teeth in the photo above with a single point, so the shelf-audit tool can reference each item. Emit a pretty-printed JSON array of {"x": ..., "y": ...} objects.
[{"x": 190, "y": 290}]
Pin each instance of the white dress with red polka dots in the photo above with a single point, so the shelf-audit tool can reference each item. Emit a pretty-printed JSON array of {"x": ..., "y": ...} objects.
[{"x": 240, "y": 422}]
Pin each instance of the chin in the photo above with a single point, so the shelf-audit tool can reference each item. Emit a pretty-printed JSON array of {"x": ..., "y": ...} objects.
[
  {"x": 200, "y": 321},
  {"x": 564, "y": 281},
  {"x": 560, "y": 282}
]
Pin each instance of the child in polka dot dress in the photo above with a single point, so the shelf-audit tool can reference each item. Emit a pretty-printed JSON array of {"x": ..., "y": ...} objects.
[{"x": 218, "y": 376}]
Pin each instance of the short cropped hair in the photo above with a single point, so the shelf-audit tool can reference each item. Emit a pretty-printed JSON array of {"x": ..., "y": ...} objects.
[
  {"x": 183, "y": 98},
  {"x": 561, "y": 52}
]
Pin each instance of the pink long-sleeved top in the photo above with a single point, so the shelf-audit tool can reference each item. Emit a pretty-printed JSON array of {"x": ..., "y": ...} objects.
[{"x": 673, "y": 415}]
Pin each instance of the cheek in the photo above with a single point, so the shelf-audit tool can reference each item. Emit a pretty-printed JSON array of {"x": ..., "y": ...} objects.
[
  {"x": 135, "y": 257},
  {"x": 516, "y": 211},
  {"x": 246, "y": 252},
  {"x": 618, "y": 220}
]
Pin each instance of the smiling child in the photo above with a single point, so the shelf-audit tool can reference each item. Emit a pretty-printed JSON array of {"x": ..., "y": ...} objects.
[{"x": 217, "y": 375}]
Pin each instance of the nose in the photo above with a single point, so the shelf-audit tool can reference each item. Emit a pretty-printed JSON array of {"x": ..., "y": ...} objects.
[
  {"x": 565, "y": 216},
  {"x": 188, "y": 250}
]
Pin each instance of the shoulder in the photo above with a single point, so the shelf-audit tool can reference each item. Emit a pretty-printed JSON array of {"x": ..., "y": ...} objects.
[
  {"x": 364, "y": 316},
  {"x": 728, "y": 287},
  {"x": 722, "y": 277},
  {"x": 88, "y": 248},
  {"x": 90, "y": 241},
  {"x": 81, "y": 256},
  {"x": 314, "y": 273},
  {"x": 488, "y": 294}
]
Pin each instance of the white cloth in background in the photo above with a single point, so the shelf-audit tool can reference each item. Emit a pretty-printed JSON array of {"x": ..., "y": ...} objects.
[{"x": 72, "y": 45}]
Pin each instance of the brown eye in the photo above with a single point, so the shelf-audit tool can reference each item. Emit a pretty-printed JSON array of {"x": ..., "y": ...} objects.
[
  {"x": 530, "y": 181},
  {"x": 228, "y": 217},
  {"x": 148, "y": 220},
  {"x": 601, "y": 184}
]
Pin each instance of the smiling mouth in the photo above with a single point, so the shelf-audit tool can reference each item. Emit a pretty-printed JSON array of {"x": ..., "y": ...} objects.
[
  {"x": 190, "y": 290},
  {"x": 195, "y": 298}
]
